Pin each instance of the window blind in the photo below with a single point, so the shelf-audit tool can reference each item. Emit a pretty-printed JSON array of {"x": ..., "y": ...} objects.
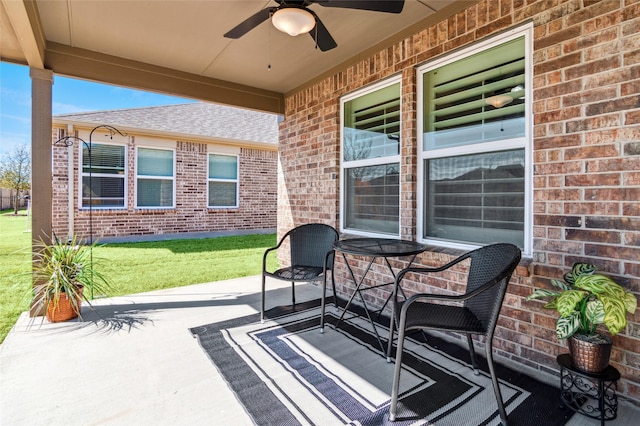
[
  {"x": 373, "y": 198},
  {"x": 457, "y": 97},
  {"x": 105, "y": 191},
  {"x": 103, "y": 178},
  {"x": 107, "y": 159},
  {"x": 222, "y": 194},
  {"x": 155, "y": 162},
  {"x": 223, "y": 166},
  {"x": 155, "y": 193},
  {"x": 477, "y": 198}
]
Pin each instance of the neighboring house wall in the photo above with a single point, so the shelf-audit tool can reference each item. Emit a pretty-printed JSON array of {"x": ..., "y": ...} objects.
[
  {"x": 586, "y": 157},
  {"x": 7, "y": 197},
  {"x": 257, "y": 193}
]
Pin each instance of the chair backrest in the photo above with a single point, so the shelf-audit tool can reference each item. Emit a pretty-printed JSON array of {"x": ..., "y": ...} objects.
[
  {"x": 310, "y": 243},
  {"x": 492, "y": 262}
]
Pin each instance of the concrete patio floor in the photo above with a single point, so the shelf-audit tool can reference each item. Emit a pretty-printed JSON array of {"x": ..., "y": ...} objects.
[{"x": 132, "y": 361}]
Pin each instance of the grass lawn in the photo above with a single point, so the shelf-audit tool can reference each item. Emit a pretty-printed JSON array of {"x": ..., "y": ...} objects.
[
  {"x": 131, "y": 267},
  {"x": 15, "y": 263}
]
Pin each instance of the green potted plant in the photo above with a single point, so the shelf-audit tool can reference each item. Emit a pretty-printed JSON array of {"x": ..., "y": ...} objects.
[
  {"x": 62, "y": 272},
  {"x": 584, "y": 300}
]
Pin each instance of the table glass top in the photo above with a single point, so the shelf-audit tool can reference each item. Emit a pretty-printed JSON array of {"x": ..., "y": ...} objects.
[{"x": 386, "y": 247}]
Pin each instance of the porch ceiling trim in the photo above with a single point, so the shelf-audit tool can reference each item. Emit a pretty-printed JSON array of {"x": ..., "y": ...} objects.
[{"x": 81, "y": 63}]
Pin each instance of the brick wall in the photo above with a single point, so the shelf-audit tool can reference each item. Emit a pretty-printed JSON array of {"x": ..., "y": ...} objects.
[
  {"x": 586, "y": 102},
  {"x": 257, "y": 190}
]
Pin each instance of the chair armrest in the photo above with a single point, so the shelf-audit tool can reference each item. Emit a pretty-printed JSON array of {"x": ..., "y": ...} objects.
[
  {"x": 423, "y": 270},
  {"x": 264, "y": 257},
  {"x": 330, "y": 255},
  {"x": 269, "y": 250},
  {"x": 416, "y": 269}
]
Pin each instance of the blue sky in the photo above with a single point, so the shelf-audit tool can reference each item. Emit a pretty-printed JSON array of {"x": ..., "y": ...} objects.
[{"x": 69, "y": 96}]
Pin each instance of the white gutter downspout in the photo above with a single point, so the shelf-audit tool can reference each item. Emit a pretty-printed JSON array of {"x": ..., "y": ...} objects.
[{"x": 70, "y": 179}]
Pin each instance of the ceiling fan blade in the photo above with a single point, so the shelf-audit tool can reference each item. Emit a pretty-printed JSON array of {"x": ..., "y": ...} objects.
[
  {"x": 321, "y": 36},
  {"x": 390, "y": 6},
  {"x": 250, "y": 23}
]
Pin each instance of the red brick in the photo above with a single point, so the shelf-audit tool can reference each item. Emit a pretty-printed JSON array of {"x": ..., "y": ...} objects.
[
  {"x": 593, "y": 179},
  {"x": 610, "y": 237}
]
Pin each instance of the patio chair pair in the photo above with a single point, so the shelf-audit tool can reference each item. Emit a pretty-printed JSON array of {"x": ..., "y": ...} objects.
[{"x": 475, "y": 312}]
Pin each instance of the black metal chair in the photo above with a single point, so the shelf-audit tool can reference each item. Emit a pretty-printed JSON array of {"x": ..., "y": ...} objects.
[
  {"x": 311, "y": 248},
  {"x": 474, "y": 312}
]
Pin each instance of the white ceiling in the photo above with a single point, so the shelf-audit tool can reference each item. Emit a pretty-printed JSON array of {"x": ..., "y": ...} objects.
[{"x": 187, "y": 36}]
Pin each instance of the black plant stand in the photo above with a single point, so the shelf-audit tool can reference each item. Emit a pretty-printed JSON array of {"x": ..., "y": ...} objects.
[{"x": 580, "y": 391}]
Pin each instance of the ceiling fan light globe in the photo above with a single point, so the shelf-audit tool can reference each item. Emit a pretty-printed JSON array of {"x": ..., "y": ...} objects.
[
  {"x": 293, "y": 21},
  {"x": 499, "y": 101}
]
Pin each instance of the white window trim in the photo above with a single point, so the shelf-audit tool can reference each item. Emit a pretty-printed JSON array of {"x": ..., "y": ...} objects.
[
  {"x": 81, "y": 174},
  {"x": 173, "y": 179},
  {"x": 236, "y": 181},
  {"x": 503, "y": 145},
  {"x": 369, "y": 162}
]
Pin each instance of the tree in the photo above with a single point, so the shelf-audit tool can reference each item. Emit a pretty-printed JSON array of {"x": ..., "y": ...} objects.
[{"x": 15, "y": 172}]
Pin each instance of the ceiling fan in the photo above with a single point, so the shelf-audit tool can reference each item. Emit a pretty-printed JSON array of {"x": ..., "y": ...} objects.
[{"x": 294, "y": 18}]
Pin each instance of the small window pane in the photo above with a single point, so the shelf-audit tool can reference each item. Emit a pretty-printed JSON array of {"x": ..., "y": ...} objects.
[
  {"x": 364, "y": 144},
  {"x": 155, "y": 162},
  {"x": 106, "y": 191},
  {"x": 222, "y": 194},
  {"x": 105, "y": 159},
  {"x": 477, "y": 99},
  {"x": 223, "y": 167},
  {"x": 476, "y": 198},
  {"x": 371, "y": 125},
  {"x": 155, "y": 193},
  {"x": 372, "y": 198}
]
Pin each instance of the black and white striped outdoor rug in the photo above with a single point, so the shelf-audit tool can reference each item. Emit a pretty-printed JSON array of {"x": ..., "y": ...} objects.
[{"x": 284, "y": 372}]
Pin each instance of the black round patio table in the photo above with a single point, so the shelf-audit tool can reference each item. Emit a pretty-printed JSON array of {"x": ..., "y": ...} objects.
[
  {"x": 374, "y": 248},
  {"x": 379, "y": 247}
]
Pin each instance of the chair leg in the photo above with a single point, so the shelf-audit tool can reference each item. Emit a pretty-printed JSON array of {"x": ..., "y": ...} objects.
[
  {"x": 393, "y": 408},
  {"x": 335, "y": 294},
  {"x": 494, "y": 379},
  {"x": 322, "y": 302},
  {"x": 472, "y": 351},
  {"x": 262, "y": 300},
  {"x": 293, "y": 293},
  {"x": 392, "y": 323}
]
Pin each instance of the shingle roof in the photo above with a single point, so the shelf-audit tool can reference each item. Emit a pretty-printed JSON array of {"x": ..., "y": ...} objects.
[{"x": 197, "y": 119}]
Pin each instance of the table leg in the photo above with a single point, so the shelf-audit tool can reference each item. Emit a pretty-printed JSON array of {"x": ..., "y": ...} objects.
[
  {"x": 357, "y": 291},
  {"x": 393, "y": 274}
]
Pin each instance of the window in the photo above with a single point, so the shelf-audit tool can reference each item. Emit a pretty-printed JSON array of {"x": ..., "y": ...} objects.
[
  {"x": 223, "y": 180},
  {"x": 155, "y": 178},
  {"x": 103, "y": 176},
  {"x": 475, "y": 157},
  {"x": 370, "y": 164}
]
